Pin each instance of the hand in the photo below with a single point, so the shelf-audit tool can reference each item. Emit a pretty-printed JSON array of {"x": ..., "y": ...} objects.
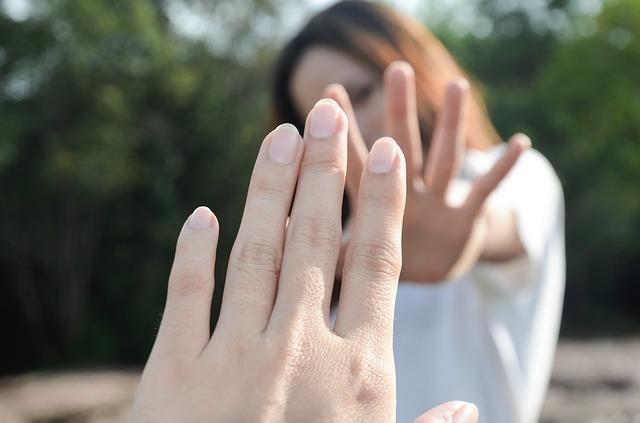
[
  {"x": 274, "y": 355},
  {"x": 451, "y": 412},
  {"x": 444, "y": 232}
]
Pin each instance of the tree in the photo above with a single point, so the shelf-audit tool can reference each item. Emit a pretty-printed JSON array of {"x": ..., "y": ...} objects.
[{"x": 114, "y": 128}]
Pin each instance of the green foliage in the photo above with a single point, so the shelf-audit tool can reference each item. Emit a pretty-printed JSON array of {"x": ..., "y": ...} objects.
[
  {"x": 578, "y": 97},
  {"x": 113, "y": 130},
  {"x": 591, "y": 95},
  {"x": 113, "y": 127}
]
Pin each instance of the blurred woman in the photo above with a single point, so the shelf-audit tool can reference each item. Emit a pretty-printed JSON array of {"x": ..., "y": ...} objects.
[{"x": 480, "y": 297}]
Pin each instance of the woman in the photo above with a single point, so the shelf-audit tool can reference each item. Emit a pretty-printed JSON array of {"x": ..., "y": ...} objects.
[{"x": 488, "y": 334}]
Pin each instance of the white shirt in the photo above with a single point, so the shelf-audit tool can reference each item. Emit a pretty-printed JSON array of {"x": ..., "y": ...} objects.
[{"x": 490, "y": 336}]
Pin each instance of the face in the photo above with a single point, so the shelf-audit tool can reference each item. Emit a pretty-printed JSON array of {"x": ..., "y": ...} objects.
[{"x": 322, "y": 66}]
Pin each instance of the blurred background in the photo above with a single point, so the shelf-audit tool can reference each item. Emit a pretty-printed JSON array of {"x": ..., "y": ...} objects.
[{"x": 119, "y": 117}]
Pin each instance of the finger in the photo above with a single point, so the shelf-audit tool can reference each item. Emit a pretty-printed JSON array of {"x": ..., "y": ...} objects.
[
  {"x": 450, "y": 412},
  {"x": 373, "y": 257},
  {"x": 447, "y": 149},
  {"x": 256, "y": 256},
  {"x": 357, "y": 149},
  {"x": 184, "y": 330},
  {"x": 401, "y": 117},
  {"x": 313, "y": 237},
  {"x": 484, "y": 185}
]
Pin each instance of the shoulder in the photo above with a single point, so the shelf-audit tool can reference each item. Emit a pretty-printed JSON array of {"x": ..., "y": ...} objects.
[{"x": 534, "y": 162}]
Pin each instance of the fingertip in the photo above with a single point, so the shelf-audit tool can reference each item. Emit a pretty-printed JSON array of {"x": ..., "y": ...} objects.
[
  {"x": 383, "y": 156},
  {"x": 283, "y": 144},
  {"x": 399, "y": 70},
  {"x": 326, "y": 118},
  {"x": 461, "y": 84},
  {"x": 400, "y": 90},
  {"x": 202, "y": 218},
  {"x": 458, "y": 88},
  {"x": 522, "y": 141},
  {"x": 467, "y": 413},
  {"x": 335, "y": 91},
  {"x": 452, "y": 412},
  {"x": 399, "y": 77},
  {"x": 326, "y": 102}
]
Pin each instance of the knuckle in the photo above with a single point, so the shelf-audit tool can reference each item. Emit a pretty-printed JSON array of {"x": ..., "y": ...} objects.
[
  {"x": 379, "y": 258},
  {"x": 316, "y": 230},
  {"x": 270, "y": 188},
  {"x": 380, "y": 200},
  {"x": 372, "y": 379},
  {"x": 187, "y": 282},
  {"x": 323, "y": 163},
  {"x": 258, "y": 256}
]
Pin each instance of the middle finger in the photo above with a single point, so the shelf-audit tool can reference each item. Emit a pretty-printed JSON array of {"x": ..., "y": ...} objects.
[
  {"x": 401, "y": 117},
  {"x": 313, "y": 236}
]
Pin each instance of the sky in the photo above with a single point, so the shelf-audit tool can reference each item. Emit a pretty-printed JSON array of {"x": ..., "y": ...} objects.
[
  {"x": 460, "y": 16},
  {"x": 405, "y": 5}
]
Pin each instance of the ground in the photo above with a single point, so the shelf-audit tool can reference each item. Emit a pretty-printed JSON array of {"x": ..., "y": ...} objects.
[{"x": 593, "y": 382}]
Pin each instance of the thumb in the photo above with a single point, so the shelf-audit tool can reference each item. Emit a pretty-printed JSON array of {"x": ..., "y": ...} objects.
[{"x": 450, "y": 412}]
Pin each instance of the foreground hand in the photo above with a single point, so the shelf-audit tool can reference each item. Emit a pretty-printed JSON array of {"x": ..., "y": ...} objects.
[
  {"x": 444, "y": 232},
  {"x": 274, "y": 355}
]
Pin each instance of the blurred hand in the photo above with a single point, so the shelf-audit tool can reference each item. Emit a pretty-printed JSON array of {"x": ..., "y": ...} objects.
[
  {"x": 444, "y": 229},
  {"x": 451, "y": 412},
  {"x": 274, "y": 355}
]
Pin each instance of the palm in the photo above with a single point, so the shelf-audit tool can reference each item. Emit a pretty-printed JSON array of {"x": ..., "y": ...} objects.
[
  {"x": 424, "y": 219},
  {"x": 442, "y": 224}
]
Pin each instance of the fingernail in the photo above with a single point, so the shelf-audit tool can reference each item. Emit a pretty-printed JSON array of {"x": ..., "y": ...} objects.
[
  {"x": 400, "y": 69},
  {"x": 459, "y": 84},
  {"x": 201, "y": 218},
  {"x": 523, "y": 140},
  {"x": 466, "y": 414},
  {"x": 323, "y": 119},
  {"x": 382, "y": 156},
  {"x": 283, "y": 146}
]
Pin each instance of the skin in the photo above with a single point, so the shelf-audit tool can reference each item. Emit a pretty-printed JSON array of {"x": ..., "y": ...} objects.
[
  {"x": 274, "y": 355},
  {"x": 448, "y": 225}
]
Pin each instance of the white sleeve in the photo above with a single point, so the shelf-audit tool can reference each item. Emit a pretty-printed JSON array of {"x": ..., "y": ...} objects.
[{"x": 532, "y": 190}]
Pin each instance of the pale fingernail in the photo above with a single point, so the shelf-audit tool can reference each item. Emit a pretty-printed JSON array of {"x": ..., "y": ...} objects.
[
  {"x": 382, "y": 156},
  {"x": 283, "y": 145},
  {"x": 400, "y": 69},
  {"x": 523, "y": 140},
  {"x": 466, "y": 414},
  {"x": 459, "y": 84},
  {"x": 201, "y": 218},
  {"x": 323, "y": 119}
]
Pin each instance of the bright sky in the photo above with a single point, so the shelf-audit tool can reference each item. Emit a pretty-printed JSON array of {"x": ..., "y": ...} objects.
[
  {"x": 304, "y": 8},
  {"x": 406, "y": 5}
]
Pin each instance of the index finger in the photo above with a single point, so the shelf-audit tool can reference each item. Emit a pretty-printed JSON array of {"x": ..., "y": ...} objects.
[
  {"x": 401, "y": 114},
  {"x": 356, "y": 148}
]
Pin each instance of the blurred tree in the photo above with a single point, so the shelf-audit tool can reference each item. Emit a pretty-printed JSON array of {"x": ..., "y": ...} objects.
[
  {"x": 591, "y": 97},
  {"x": 570, "y": 81},
  {"x": 113, "y": 129},
  {"x": 117, "y": 118}
]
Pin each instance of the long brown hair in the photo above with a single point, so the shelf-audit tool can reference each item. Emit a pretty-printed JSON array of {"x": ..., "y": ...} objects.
[{"x": 376, "y": 35}]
